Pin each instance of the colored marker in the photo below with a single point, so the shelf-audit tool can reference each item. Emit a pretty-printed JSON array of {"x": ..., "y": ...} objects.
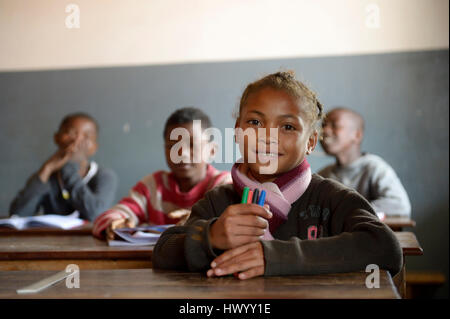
[
  {"x": 255, "y": 196},
  {"x": 244, "y": 195},
  {"x": 262, "y": 198},
  {"x": 244, "y": 200},
  {"x": 250, "y": 197}
]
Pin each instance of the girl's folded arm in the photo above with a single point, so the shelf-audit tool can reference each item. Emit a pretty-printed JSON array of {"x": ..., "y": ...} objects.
[
  {"x": 188, "y": 247},
  {"x": 358, "y": 239}
]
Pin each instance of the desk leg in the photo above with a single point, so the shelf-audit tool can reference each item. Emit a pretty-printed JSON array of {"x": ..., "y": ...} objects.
[{"x": 400, "y": 280}]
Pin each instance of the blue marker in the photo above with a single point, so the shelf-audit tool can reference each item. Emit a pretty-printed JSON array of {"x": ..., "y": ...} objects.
[{"x": 262, "y": 198}]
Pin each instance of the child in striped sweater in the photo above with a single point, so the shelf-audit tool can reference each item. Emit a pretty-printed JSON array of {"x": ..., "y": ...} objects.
[{"x": 167, "y": 197}]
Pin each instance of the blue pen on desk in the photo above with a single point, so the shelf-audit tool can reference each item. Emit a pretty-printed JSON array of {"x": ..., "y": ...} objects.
[{"x": 262, "y": 198}]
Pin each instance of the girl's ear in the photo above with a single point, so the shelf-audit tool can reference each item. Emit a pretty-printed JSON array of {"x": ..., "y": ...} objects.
[{"x": 312, "y": 142}]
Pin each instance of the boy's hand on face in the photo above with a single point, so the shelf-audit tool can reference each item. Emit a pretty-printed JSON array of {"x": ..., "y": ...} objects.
[
  {"x": 116, "y": 224},
  {"x": 54, "y": 163},
  {"x": 238, "y": 225},
  {"x": 61, "y": 157},
  {"x": 77, "y": 149},
  {"x": 245, "y": 262}
]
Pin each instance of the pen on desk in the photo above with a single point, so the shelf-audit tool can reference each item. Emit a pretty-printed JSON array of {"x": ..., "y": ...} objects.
[{"x": 244, "y": 195}]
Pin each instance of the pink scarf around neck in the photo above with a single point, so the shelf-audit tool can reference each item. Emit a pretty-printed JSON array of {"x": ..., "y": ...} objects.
[{"x": 280, "y": 194}]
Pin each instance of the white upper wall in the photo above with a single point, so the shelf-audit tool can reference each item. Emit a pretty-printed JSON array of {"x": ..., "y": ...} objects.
[{"x": 34, "y": 35}]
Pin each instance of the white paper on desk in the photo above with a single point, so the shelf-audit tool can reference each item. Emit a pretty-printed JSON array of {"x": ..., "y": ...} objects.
[
  {"x": 50, "y": 220},
  {"x": 57, "y": 221},
  {"x": 139, "y": 237},
  {"x": 144, "y": 235},
  {"x": 122, "y": 243},
  {"x": 13, "y": 222}
]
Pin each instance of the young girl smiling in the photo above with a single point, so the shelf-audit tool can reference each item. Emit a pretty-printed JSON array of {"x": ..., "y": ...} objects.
[{"x": 309, "y": 225}]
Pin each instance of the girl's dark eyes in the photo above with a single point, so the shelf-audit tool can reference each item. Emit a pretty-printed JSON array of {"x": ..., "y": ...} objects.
[
  {"x": 288, "y": 127},
  {"x": 253, "y": 122}
]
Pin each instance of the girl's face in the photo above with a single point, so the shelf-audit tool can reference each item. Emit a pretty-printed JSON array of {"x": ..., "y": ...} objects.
[{"x": 270, "y": 108}]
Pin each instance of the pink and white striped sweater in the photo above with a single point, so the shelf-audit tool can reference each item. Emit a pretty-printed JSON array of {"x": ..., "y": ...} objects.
[{"x": 156, "y": 195}]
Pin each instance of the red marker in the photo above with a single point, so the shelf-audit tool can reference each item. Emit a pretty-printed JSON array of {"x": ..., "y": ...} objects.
[{"x": 250, "y": 197}]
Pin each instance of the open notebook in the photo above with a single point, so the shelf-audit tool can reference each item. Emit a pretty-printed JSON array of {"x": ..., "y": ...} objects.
[
  {"x": 44, "y": 221},
  {"x": 138, "y": 236}
]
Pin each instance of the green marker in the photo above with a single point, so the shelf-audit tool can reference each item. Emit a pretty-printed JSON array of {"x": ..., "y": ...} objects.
[{"x": 245, "y": 195}]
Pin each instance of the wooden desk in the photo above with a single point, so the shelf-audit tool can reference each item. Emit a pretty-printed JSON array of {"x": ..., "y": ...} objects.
[
  {"x": 397, "y": 223},
  {"x": 83, "y": 230},
  {"x": 411, "y": 247},
  {"x": 148, "y": 283},
  {"x": 409, "y": 243},
  {"x": 55, "y": 252}
]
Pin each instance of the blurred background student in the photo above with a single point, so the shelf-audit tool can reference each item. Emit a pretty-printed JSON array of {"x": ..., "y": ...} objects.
[
  {"x": 369, "y": 174},
  {"x": 167, "y": 197},
  {"x": 69, "y": 181}
]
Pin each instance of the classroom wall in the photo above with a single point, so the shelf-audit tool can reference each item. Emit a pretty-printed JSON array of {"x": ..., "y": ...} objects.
[
  {"x": 41, "y": 34},
  {"x": 131, "y": 63},
  {"x": 403, "y": 97}
]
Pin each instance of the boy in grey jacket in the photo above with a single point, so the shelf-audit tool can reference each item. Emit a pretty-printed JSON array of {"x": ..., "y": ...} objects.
[
  {"x": 68, "y": 181},
  {"x": 368, "y": 174}
]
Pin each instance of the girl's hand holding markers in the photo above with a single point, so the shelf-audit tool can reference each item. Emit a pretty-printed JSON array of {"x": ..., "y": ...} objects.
[{"x": 238, "y": 225}]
